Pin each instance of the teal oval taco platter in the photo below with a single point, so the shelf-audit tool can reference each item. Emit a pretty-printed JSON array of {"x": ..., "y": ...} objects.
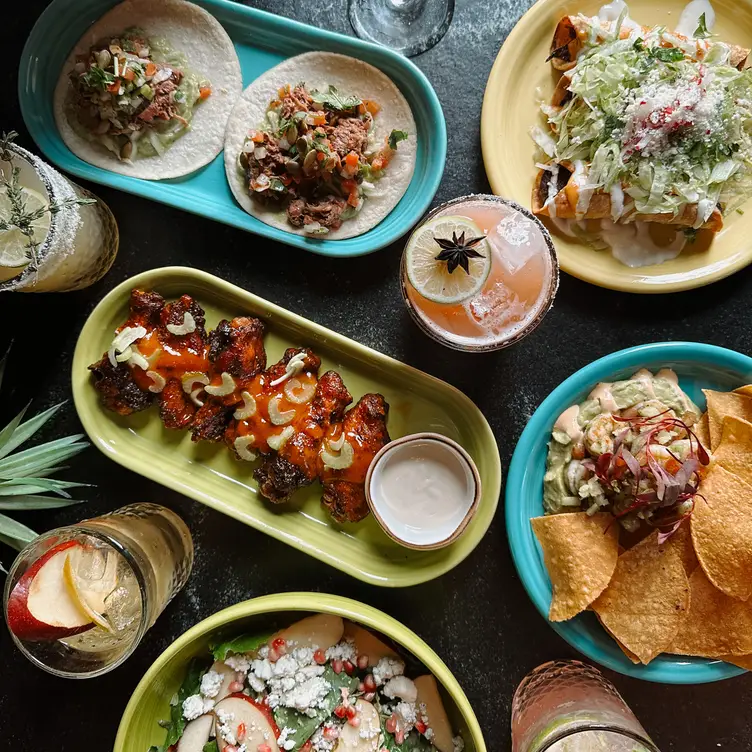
[
  {"x": 698, "y": 366},
  {"x": 262, "y": 40}
]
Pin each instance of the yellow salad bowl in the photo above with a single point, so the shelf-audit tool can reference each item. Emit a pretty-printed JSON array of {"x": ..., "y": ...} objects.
[{"x": 150, "y": 702}]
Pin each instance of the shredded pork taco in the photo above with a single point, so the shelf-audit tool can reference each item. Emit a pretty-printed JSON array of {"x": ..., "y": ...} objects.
[
  {"x": 148, "y": 90},
  {"x": 321, "y": 145}
]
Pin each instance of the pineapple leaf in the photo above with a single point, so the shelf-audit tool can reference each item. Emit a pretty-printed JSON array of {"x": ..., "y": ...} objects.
[
  {"x": 3, "y": 361},
  {"x": 38, "y": 459},
  {"x": 32, "y": 501},
  {"x": 21, "y": 486},
  {"x": 13, "y": 435},
  {"x": 14, "y": 533}
]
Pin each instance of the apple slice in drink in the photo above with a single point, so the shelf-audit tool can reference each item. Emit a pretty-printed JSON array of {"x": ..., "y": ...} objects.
[
  {"x": 428, "y": 695},
  {"x": 91, "y": 575},
  {"x": 250, "y": 723},
  {"x": 40, "y": 606}
]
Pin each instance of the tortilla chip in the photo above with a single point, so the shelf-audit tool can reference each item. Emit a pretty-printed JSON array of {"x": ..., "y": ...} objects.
[
  {"x": 681, "y": 540},
  {"x": 721, "y": 404},
  {"x": 632, "y": 657},
  {"x": 743, "y": 661},
  {"x": 580, "y": 553},
  {"x": 716, "y": 625},
  {"x": 722, "y": 532},
  {"x": 744, "y": 390},
  {"x": 702, "y": 431},
  {"x": 646, "y": 601},
  {"x": 735, "y": 450}
]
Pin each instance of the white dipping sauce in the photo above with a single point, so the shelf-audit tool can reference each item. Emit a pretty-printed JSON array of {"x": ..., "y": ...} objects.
[
  {"x": 690, "y": 17},
  {"x": 422, "y": 490}
]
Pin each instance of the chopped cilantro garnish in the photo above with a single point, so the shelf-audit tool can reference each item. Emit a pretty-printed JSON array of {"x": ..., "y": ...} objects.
[
  {"x": 334, "y": 100},
  {"x": 701, "y": 32},
  {"x": 97, "y": 78},
  {"x": 667, "y": 54},
  {"x": 395, "y": 137}
]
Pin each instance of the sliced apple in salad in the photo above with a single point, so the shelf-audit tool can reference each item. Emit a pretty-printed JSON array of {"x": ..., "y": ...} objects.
[{"x": 320, "y": 684}]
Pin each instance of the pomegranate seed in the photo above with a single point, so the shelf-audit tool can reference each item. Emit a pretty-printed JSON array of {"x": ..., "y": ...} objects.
[
  {"x": 307, "y": 747},
  {"x": 236, "y": 686},
  {"x": 363, "y": 662},
  {"x": 421, "y": 727},
  {"x": 369, "y": 696},
  {"x": 331, "y": 733},
  {"x": 320, "y": 657},
  {"x": 361, "y": 687},
  {"x": 279, "y": 645},
  {"x": 355, "y": 721},
  {"x": 340, "y": 711},
  {"x": 337, "y": 666},
  {"x": 369, "y": 683},
  {"x": 262, "y": 748},
  {"x": 350, "y": 711},
  {"x": 273, "y": 655},
  {"x": 391, "y": 724},
  {"x": 349, "y": 668},
  {"x": 399, "y": 737}
]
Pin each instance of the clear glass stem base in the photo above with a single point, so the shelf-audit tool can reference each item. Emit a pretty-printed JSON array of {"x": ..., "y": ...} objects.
[{"x": 406, "y": 26}]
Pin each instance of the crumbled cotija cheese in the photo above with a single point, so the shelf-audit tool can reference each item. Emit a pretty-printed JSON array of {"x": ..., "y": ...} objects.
[
  {"x": 402, "y": 687},
  {"x": 223, "y": 726},
  {"x": 344, "y": 651},
  {"x": 283, "y": 741},
  {"x": 294, "y": 681},
  {"x": 387, "y": 668},
  {"x": 458, "y": 743},
  {"x": 195, "y": 705},
  {"x": 211, "y": 681},
  {"x": 239, "y": 663}
]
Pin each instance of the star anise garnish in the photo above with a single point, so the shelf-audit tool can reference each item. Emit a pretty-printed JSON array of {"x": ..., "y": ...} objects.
[{"x": 458, "y": 251}]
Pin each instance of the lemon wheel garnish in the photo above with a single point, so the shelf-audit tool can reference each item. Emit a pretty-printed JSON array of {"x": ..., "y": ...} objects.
[
  {"x": 431, "y": 277},
  {"x": 90, "y": 602},
  {"x": 13, "y": 251}
]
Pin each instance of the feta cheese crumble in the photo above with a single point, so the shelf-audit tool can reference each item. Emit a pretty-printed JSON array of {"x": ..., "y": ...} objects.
[
  {"x": 195, "y": 706},
  {"x": 211, "y": 681},
  {"x": 283, "y": 741},
  {"x": 402, "y": 687},
  {"x": 386, "y": 669},
  {"x": 223, "y": 726},
  {"x": 344, "y": 651},
  {"x": 239, "y": 663}
]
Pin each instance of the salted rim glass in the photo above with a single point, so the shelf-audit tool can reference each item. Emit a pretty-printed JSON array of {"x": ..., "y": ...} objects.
[{"x": 524, "y": 331}]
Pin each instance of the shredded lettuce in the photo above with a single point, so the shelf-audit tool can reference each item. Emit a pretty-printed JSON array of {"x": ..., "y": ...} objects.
[{"x": 671, "y": 129}]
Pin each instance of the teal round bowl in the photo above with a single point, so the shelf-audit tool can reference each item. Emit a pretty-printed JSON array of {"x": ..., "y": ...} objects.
[{"x": 699, "y": 367}]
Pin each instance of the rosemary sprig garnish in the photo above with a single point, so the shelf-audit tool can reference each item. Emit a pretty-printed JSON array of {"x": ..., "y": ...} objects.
[{"x": 20, "y": 217}]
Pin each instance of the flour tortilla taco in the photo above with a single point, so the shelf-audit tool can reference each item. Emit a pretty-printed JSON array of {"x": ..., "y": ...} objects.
[
  {"x": 322, "y": 145},
  {"x": 147, "y": 91}
]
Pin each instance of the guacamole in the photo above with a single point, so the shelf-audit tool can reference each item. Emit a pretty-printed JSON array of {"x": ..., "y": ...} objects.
[{"x": 628, "y": 449}]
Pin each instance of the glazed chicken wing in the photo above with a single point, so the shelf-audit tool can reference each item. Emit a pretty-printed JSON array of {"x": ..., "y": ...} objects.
[
  {"x": 236, "y": 350},
  {"x": 114, "y": 381},
  {"x": 276, "y": 397},
  {"x": 364, "y": 429},
  {"x": 296, "y": 463}
]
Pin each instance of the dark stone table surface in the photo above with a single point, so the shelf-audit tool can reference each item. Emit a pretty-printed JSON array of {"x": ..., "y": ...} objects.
[{"x": 477, "y": 617}]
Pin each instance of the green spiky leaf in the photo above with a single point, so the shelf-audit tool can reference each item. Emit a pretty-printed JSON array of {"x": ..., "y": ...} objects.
[{"x": 15, "y": 534}]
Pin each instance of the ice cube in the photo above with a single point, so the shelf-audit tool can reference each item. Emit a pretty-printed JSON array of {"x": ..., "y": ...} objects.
[
  {"x": 496, "y": 309},
  {"x": 513, "y": 240},
  {"x": 123, "y": 604}
]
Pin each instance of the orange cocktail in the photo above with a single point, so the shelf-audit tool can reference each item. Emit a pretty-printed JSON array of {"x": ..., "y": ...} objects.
[{"x": 496, "y": 295}]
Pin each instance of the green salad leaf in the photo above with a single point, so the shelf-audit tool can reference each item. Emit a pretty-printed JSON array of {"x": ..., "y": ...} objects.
[
  {"x": 211, "y": 746},
  {"x": 701, "y": 32},
  {"x": 246, "y": 643},
  {"x": 190, "y": 686},
  {"x": 304, "y": 726},
  {"x": 414, "y": 742}
]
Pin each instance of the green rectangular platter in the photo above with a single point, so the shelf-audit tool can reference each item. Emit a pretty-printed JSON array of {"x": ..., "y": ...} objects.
[{"x": 210, "y": 474}]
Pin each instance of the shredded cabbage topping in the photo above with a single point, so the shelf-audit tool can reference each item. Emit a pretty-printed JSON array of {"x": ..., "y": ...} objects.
[{"x": 668, "y": 128}]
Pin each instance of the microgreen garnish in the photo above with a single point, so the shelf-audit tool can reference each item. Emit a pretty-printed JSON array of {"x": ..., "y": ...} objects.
[
  {"x": 458, "y": 251},
  {"x": 334, "y": 100}
]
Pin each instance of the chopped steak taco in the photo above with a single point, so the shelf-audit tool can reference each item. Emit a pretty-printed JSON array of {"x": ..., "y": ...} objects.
[
  {"x": 148, "y": 89},
  {"x": 321, "y": 145}
]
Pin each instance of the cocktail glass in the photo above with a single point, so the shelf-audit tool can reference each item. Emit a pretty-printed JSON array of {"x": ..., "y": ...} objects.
[
  {"x": 406, "y": 26},
  {"x": 520, "y": 288},
  {"x": 568, "y": 706},
  {"x": 78, "y": 243},
  {"x": 122, "y": 569}
]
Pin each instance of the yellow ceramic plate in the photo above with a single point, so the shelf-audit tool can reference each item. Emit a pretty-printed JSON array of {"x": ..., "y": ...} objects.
[
  {"x": 150, "y": 702},
  {"x": 210, "y": 474},
  {"x": 521, "y": 77}
]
